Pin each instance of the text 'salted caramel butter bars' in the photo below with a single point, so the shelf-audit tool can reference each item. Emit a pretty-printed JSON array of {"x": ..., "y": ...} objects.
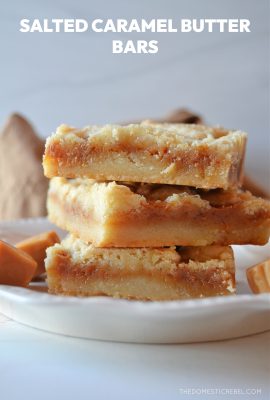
[{"x": 125, "y": 193}]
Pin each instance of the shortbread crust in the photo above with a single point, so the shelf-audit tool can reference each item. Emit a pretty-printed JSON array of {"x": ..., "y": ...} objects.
[
  {"x": 180, "y": 154},
  {"x": 111, "y": 214},
  {"x": 75, "y": 268}
]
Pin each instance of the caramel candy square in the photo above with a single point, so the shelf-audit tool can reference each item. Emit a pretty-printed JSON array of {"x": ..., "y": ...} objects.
[
  {"x": 16, "y": 267},
  {"x": 36, "y": 247},
  {"x": 258, "y": 277}
]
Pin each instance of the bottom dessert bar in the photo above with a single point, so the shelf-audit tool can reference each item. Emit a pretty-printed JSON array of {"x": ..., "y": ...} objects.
[{"x": 78, "y": 269}]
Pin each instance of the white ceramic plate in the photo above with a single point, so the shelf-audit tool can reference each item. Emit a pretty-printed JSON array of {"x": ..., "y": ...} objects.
[{"x": 135, "y": 321}]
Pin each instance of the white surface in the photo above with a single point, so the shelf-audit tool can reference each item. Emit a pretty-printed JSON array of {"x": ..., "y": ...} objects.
[
  {"x": 74, "y": 78},
  {"x": 135, "y": 321},
  {"x": 39, "y": 365}
]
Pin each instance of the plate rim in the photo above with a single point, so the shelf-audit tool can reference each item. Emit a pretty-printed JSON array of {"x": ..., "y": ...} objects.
[{"x": 44, "y": 298}]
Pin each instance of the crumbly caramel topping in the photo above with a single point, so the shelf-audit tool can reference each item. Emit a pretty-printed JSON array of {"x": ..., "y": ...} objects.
[
  {"x": 110, "y": 197},
  {"x": 148, "y": 134},
  {"x": 149, "y": 259}
]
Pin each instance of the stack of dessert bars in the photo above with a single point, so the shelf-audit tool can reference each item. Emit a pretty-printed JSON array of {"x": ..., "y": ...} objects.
[{"x": 152, "y": 210}]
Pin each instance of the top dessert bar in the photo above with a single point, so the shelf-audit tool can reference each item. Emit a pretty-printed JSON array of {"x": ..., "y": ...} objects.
[{"x": 179, "y": 154}]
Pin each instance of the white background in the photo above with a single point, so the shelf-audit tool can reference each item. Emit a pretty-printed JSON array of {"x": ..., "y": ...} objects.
[
  {"x": 74, "y": 78},
  {"x": 37, "y": 365}
]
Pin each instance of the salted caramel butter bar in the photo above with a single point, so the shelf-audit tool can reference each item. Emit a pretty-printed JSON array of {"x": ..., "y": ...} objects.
[
  {"x": 78, "y": 269},
  {"x": 111, "y": 214},
  {"x": 180, "y": 154}
]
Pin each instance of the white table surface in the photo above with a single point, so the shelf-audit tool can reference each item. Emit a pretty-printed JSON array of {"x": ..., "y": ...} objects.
[
  {"x": 75, "y": 79},
  {"x": 35, "y": 364}
]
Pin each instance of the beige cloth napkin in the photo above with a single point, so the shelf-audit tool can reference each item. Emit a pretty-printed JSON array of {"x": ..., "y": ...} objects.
[{"x": 23, "y": 187}]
